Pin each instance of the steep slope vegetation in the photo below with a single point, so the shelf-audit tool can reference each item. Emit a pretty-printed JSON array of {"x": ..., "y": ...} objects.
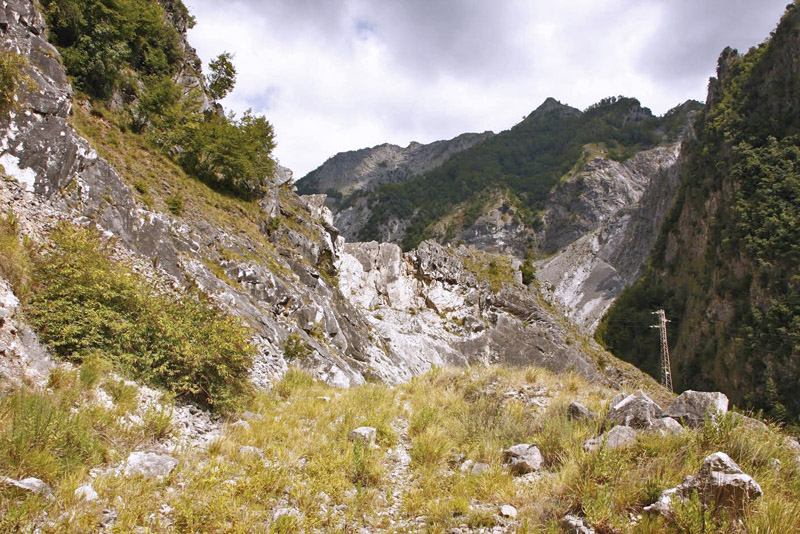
[
  {"x": 726, "y": 265},
  {"x": 523, "y": 163}
]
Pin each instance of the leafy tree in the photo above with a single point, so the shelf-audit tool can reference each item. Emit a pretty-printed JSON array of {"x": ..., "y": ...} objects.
[{"x": 223, "y": 76}]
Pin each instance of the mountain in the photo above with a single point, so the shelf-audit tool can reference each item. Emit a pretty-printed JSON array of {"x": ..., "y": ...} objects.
[
  {"x": 514, "y": 170},
  {"x": 187, "y": 345},
  {"x": 725, "y": 265},
  {"x": 362, "y": 170}
]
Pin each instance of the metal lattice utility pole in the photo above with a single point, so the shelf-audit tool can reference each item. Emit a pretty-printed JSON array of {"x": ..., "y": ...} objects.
[{"x": 666, "y": 368}]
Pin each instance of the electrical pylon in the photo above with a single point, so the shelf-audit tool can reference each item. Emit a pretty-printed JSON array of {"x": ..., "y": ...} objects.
[{"x": 666, "y": 368}]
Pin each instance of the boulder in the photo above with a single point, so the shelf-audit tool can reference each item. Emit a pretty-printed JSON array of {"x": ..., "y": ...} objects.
[
  {"x": 619, "y": 436},
  {"x": 750, "y": 422},
  {"x": 523, "y": 458},
  {"x": 578, "y": 412},
  {"x": 693, "y": 407},
  {"x": 636, "y": 410},
  {"x": 720, "y": 484},
  {"x": 149, "y": 464},
  {"x": 364, "y": 434},
  {"x": 667, "y": 425},
  {"x": 34, "y": 485}
]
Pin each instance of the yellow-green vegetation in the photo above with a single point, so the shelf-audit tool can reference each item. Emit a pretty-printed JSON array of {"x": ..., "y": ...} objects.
[
  {"x": 496, "y": 269},
  {"x": 12, "y": 78},
  {"x": 58, "y": 434},
  {"x": 295, "y": 454},
  {"x": 86, "y": 308}
]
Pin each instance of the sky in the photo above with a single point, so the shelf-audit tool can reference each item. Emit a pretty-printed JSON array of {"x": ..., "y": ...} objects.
[{"x": 338, "y": 75}]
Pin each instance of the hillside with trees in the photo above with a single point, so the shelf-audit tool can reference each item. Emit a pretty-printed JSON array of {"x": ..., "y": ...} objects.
[{"x": 725, "y": 266}]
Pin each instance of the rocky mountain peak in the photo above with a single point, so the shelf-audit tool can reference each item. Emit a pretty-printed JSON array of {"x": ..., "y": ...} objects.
[{"x": 551, "y": 105}]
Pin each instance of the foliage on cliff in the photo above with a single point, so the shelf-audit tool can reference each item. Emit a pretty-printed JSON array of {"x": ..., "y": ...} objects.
[
  {"x": 725, "y": 266},
  {"x": 528, "y": 160},
  {"x": 127, "y": 51},
  {"x": 86, "y": 306}
]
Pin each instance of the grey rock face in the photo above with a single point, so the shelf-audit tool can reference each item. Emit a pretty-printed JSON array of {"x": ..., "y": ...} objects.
[
  {"x": 636, "y": 411},
  {"x": 523, "y": 458},
  {"x": 429, "y": 308},
  {"x": 619, "y": 436},
  {"x": 601, "y": 223},
  {"x": 720, "y": 482},
  {"x": 578, "y": 412},
  {"x": 149, "y": 464},
  {"x": 694, "y": 407}
]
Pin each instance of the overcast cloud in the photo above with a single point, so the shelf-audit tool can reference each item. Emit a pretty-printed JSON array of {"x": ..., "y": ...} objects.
[{"x": 336, "y": 75}]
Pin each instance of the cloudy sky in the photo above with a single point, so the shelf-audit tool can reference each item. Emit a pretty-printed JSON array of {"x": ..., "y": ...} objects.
[{"x": 336, "y": 75}]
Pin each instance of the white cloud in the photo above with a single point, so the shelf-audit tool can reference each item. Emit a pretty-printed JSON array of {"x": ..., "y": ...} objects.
[{"x": 336, "y": 75}]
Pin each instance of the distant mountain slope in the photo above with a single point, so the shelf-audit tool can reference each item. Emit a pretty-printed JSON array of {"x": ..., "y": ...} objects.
[
  {"x": 522, "y": 163},
  {"x": 360, "y": 170},
  {"x": 726, "y": 265}
]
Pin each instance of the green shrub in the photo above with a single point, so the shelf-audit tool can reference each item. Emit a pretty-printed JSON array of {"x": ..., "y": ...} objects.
[
  {"x": 175, "y": 204},
  {"x": 84, "y": 303},
  {"x": 294, "y": 348},
  {"x": 230, "y": 154}
]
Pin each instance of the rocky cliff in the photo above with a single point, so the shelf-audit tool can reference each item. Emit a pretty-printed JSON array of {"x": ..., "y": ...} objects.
[
  {"x": 725, "y": 264},
  {"x": 272, "y": 262}
]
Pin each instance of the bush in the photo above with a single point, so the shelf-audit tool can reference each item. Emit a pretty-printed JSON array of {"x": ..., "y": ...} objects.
[
  {"x": 83, "y": 303},
  {"x": 230, "y": 154},
  {"x": 99, "y": 40}
]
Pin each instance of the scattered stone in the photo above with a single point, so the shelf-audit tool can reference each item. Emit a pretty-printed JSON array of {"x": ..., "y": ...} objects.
[
  {"x": 508, "y": 511},
  {"x": 523, "y": 458},
  {"x": 636, "y": 411},
  {"x": 719, "y": 483},
  {"x": 244, "y": 425},
  {"x": 457, "y": 459},
  {"x": 619, "y": 436},
  {"x": 247, "y": 451},
  {"x": 150, "y": 465},
  {"x": 572, "y": 524},
  {"x": 86, "y": 493},
  {"x": 578, "y": 412},
  {"x": 667, "y": 425},
  {"x": 250, "y": 416},
  {"x": 109, "y": 518},
  {"x": 480, "y": 468},
  {"x": 287, "y": 511},
  {"x": 364, "y": 434},
  {"x": 324, "y": 399},
  {"x": 693, "y": 407},
  {"x": 466, "y": 466},
  {"x": 31, "y": 484}
]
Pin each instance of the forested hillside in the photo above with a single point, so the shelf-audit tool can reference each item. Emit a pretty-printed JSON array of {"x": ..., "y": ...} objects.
[
  {"x": 523, "y": 162},
  {"x": 725, "y": 266}
]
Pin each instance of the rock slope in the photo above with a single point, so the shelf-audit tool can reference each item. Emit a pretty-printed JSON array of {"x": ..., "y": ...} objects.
[{"x": 276, "y": 268}]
